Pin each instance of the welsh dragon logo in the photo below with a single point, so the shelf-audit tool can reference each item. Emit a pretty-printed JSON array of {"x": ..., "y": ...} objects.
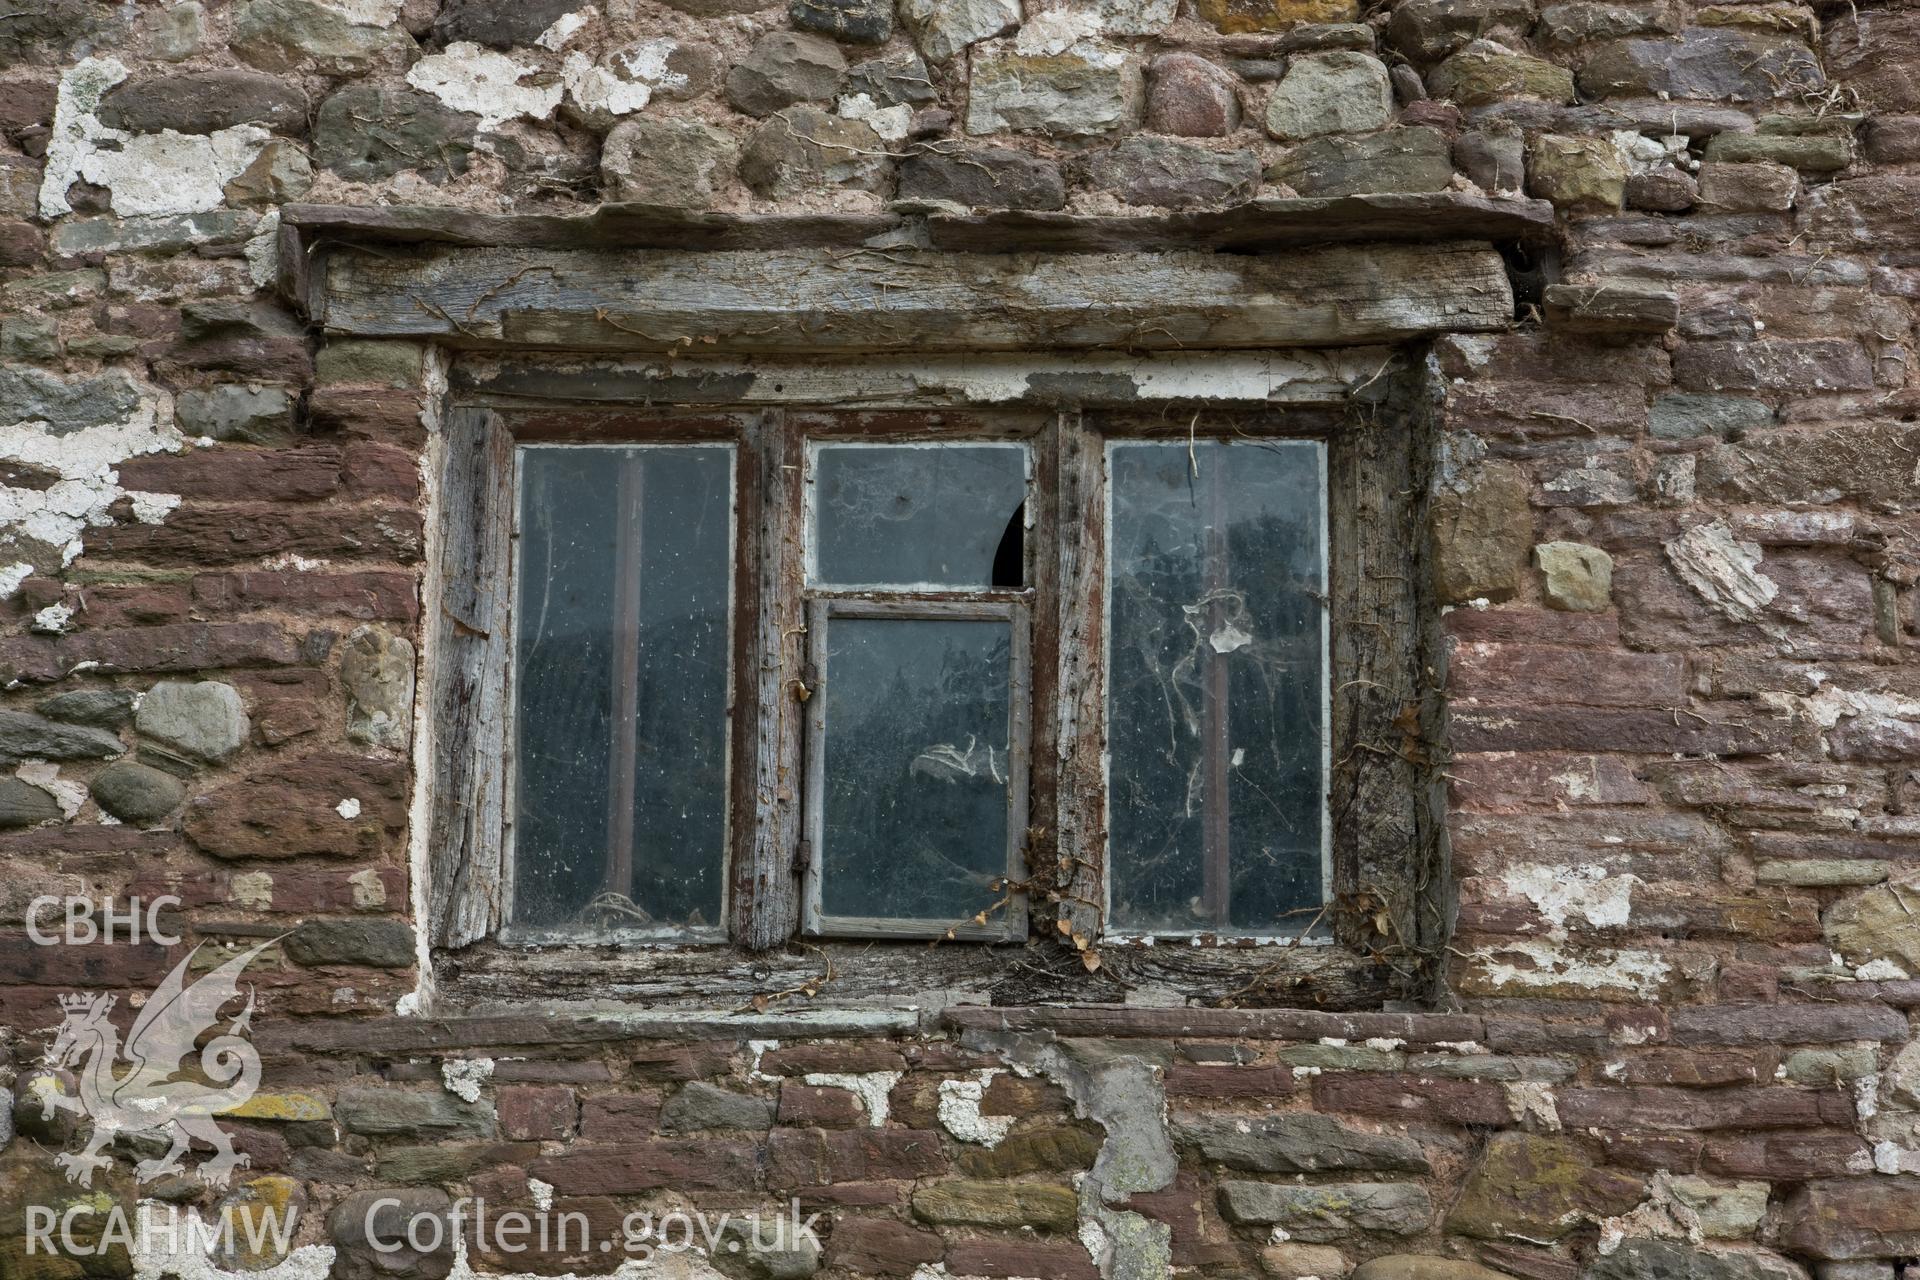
[{"x": 150, "y": 1096}]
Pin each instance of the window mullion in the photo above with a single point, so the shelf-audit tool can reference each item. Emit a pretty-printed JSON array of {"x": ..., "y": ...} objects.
[
  {"x": 1079, "y": 536},
  {"x": 767, "y": 805}
]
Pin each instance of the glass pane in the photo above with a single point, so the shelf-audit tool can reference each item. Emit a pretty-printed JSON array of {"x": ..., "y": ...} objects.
[
  {"x": 1217, "y": 686},
  {"x": 919, "y": 515},
  {"x": 914, "y": 819},
  {"x": 621, "y": 632}
]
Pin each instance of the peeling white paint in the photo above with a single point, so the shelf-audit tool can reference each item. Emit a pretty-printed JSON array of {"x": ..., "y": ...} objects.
[
  {"x": 1533, "y": 1100},
  {"x": 960, "y": 1113},
  {"x": 484, "y": 83},
  {"x": 1639, "y": 973},
  {"x": 252, "y": 889},
  {"x": 157, "y": 1254},
  {"x": 348, "y": 808},
  {"x": 263, "y": 252},
  {"x": 608, "y": 86},
  {"x": 464, "y": 1076},
  {"x": 1558, "y": 892},
  {"x": 85, "y": 461},
  {"x": 891, "y": 123},
  {"x": 872, "y": 1088},
  {"x": 1724, "y": 571},
  {"x": 51, "y": 620},
  {"x": 66, "y": 793},
  {"x": 1055, "y": 31},
  {"x": 144, "y": 173},
  {"x": 366, "y": 13},
  {"x": 12, "y": 576},
  {"x": 759, "y": 1049},
  {"x": 564, "y": 28},
  {"x": 1891, "y": 1158},
  {"x": 368, "y": 889},
  {"x": 1881, "y": 970},
  {"x": 300, "y": 563},
  {"x": 541, "y": 1193}
]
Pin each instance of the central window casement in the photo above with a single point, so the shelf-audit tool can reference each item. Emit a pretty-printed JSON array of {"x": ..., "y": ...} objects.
[{"x": 905, "y": 716}]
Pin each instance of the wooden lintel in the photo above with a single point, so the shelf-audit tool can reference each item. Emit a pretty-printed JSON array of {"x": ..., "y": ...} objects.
[
  {"x": 1254, "y": 225},
  {"x": 822, "y": 300}
]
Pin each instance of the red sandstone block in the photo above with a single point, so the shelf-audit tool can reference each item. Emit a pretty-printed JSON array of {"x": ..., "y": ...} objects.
[
  {"x": 1412, "y": 1097},
  {"x": 1784, "y": 1024},
  {"x": 1520, "y": 625},
  {"x": 1220, "y": 1081},
  {"x": 1012, "y": 1095},
  {"x": 324, "y": 892},
  {"x": 290, "y": 808},
  {"x": 236, "y": 474},
  {"x": 1706, "y": 729},
  {"x": 368, "y": 593},
  {"x": 1737, "y": 1107},
  {"x": 1505, "y": 673},
  {"x": 619, "y": 1117},
  {"x": 1693, "y": 1068},
  {"x": 815, "y": 1157},
  {"x": 1054, "y": 1261},
  {"x": 1788, "y": 1156},
  {"x": 1506, "y": 784},
  {"x": 1649, "y": 1150},
  {"x": 822, "y": 1107},
  {"x": 536, "y": 1113},
  {"x": 381, "y": 471},
  {"x": 193, "y": 535},
  {"x": 855, "y": 1057},
  {"x": 147, "y": 605},
  {"x": 680, "y": 1061},
  {"x": 524, "y": 1071},
  {"x": 878, "y": 1247},
  {"x": 649, "y": 1166},
  {"x": 186, "y": 646},
  {"x": 368, "y": 413}
]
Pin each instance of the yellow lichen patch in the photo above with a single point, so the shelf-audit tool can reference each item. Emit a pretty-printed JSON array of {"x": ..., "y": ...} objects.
[
  {"x": 281, "y": 1106},
  {"x": 257, "y": 1219},
  {"x": 1238, "y": 17}
]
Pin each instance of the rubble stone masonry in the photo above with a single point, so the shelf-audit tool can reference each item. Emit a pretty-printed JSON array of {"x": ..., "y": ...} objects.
[{"x": 1674, "y": 513}]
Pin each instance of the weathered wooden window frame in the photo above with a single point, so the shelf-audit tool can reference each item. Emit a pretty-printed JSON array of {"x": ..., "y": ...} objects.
[{"x": 1382, "y": 916}]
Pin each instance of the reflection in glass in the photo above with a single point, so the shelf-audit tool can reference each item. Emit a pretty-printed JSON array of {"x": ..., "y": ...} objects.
[
  {"x": 1217, "y": 681},
  {"x": 926, "y": 515},
  {"x": 621, "y": 637},
  {"x": 915, "y": 776}
]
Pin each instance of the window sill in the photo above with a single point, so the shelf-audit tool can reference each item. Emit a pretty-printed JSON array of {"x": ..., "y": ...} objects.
[{"x": 914, "y": 980}]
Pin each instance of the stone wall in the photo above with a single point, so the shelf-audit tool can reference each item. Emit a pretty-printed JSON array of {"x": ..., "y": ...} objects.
[{"x": 1673, "y": 519}]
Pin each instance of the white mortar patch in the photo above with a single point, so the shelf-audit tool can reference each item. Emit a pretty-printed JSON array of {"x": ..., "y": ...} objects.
[
  {"x": 464, "y": 1076},
  {"x": 144, "y": 173},
  {"x": 1723, "y": 570},
  {"x": 484, "y": 83},
  {"x": 1637, "y": 972},
  {"x": 1558, "y": 892},
  {"x": 155, "y": 1255},
  {"x": 85, "y": 461},
  {"x": 960, "y": 1113},
  {"x": 872, "y": 1088},
  {"x": 69, "y": 795}
]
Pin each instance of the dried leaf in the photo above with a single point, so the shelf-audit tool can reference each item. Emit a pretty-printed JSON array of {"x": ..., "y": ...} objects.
[
  {"x": 1091, "y": 959},
  {"x": 1064, "y": 926},
  {"x": 981, "y": 918},
  {"x": 1079, "y": 942}
]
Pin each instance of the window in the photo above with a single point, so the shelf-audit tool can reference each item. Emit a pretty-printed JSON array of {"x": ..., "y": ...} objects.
[{"x": 762, "y": 677}]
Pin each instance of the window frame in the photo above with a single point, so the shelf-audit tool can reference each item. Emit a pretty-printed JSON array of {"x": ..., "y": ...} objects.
[{"x": 1386, "y": 841}]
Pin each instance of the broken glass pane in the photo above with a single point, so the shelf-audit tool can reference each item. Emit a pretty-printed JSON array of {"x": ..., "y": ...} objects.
[
  {"x": 1217, "y": 686},
  {"x": 918, "y": 515},
  {"x": 915, "y": 774},
  {"x": 621, "y": 637}
]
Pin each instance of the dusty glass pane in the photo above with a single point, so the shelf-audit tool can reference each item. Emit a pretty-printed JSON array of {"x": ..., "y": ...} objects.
[
  {"x": 621, "y": 685},
  {"x": 918, "y": 514},
  {"x": 914, "y": 821},
  {"x": 1216, "y": 685}
]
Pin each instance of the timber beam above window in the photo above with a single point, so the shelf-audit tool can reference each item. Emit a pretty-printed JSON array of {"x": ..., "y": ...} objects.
[{"x": 1285, "y": 273}]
